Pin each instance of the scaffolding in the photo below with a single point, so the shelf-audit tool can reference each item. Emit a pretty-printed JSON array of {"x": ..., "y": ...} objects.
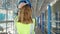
[{"x": 47, "y": 19}]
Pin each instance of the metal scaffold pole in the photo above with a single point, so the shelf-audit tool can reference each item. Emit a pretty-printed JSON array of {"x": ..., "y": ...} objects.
[
  {"x": 6, "y": 13},
  {"x": 49, "y": 19},
  {"x": 42, "y": 25}
]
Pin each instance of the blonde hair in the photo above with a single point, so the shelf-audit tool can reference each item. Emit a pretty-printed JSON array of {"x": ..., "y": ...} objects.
[{"x": 25, "y": 14}]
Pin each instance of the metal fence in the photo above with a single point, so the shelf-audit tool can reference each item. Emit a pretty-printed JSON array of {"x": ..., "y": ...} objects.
[{"x": 7, "y": 16}]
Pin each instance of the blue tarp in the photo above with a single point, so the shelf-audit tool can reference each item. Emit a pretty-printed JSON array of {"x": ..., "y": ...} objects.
[{"x": 2, "y": 16}]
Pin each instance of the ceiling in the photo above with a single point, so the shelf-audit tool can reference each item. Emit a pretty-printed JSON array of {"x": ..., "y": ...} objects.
[
  {"x": 56, "y": 6},
  {"x": 39, "y": 6}
]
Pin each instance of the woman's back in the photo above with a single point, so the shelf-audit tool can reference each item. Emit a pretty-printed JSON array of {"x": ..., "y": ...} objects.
[{"x": 25, "y": 28}]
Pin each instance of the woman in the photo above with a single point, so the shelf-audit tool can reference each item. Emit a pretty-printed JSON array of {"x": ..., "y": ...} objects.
[{"x": 25, "y": 23}]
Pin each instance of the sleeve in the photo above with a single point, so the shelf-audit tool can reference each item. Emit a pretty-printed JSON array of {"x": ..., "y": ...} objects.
[
  {"x": 15, "y": 27},
  {"x": 32, "y": 27}
]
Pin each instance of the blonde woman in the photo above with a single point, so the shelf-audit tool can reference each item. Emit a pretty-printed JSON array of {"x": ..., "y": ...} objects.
[{"x": 24, "y": 22}]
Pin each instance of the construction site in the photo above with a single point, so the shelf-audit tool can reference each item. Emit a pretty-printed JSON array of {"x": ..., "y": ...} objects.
[{"x": 45, "y": 12}]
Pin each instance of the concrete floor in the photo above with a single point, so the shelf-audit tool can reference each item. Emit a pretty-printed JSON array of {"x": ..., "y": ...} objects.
[{"x": 37, "y": 30}]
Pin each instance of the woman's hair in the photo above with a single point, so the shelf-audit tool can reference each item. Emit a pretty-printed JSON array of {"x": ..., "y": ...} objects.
[{"x": 24, "y": 15}]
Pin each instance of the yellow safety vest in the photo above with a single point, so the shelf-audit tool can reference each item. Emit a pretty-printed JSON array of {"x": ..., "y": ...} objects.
[{"x": 24, "y": 28}]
